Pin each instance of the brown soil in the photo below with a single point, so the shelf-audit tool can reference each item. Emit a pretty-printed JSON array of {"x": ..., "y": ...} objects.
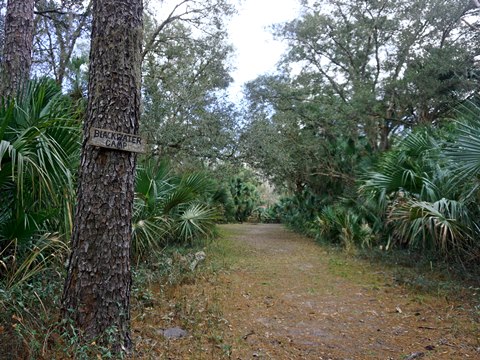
[{"x": 271, "y": 294}]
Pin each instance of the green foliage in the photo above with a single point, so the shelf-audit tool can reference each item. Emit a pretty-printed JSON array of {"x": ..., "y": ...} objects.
[
  {"x": 39, "y": 144},
  {"x": 39, "y": 150},
  {"x": 170, "y": 209},
  {"x": 245, "y": 197},
  {"x": 186, "y": 114},
  {"x": 197, "y": 221},
  {"x": 338, "y": 100},
  {"x": 340, "y": 225},
  {"x": 409, "y": 168},
  {"x": 419, "y": 194},
  {"x": 266, "y": 215},
  {"x": 299, "y": 211},
  {"x": 223, "y": 197},
  {"x": 443, "y": 225},
  {"x": 465, "y": 152},
  {"x": 297, "y": 142}
]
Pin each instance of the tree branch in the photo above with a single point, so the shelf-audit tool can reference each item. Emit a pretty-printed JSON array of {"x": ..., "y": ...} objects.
[
  {"x": 50, "y": 11},
  {"x": 170, "y": 18}
]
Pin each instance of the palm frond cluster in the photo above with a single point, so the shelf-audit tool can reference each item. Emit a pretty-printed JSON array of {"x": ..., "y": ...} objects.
[
  {"x": 170, "y": 209},
  {"x": 39, "y": 148}
]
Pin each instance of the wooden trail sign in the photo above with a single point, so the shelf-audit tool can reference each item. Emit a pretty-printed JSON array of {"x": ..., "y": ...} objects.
[{"x": 116, "y": 140}]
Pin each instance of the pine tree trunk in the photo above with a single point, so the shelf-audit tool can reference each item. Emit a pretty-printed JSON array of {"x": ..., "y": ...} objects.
[
  {"x": 97, "y": 289},
  {"x": 2, "y": 28},
  {"x": 17, "y": 47}
]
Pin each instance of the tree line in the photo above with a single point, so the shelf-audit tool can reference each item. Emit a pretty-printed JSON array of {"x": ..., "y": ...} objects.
[{"x": 366, "y": 122}]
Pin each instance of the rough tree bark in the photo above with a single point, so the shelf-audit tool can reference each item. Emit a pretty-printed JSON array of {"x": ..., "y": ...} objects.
[
  {"x": 2, "y": 27},
  {"x": 17, "y": 48},
  {"x": 97, "y": 288}
]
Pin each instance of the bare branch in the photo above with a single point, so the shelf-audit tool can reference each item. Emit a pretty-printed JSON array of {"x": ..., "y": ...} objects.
[
  {"x": 471, "y": 26},
  {"x": 150, "y": 44},
  {"x": 170, "y": 18},
  {"x": 47, "y": 12}
]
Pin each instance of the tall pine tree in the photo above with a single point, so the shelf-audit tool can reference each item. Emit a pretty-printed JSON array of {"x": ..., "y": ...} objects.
[
  {"x": 97, "y": 289},
  {"x": 17, "y": 46}
]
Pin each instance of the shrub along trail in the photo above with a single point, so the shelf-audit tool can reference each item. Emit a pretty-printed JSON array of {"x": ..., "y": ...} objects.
[{"x": 271, "y": 294}]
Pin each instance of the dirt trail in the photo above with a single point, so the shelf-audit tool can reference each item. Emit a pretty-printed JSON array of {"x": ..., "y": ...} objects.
[{"x": 284, "y": 297}]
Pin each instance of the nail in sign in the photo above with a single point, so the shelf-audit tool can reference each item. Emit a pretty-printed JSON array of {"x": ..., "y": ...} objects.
[{"x": 116, "y": 140}]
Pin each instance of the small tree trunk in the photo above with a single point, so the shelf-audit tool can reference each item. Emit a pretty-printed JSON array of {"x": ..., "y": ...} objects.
[
  {"x": 97, "y": 289},
  {"x": 18, "y": 43},
  {"x": 2, "y": 28}
]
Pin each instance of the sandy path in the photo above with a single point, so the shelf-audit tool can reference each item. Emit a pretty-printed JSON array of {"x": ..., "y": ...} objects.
[{"x": 284, "y": 297}]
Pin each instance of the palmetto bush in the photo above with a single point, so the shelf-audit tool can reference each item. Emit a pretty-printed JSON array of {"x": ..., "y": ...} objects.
[
  {"x": 465, "y": 152},
  {"x": 407, "y": 169},
  {"x": 464, "y": 163},
  {"x": 420, "y": 198},
  {"x": 39, "y": 148},
  {"x": 443, "y": 225},
  {"x": 245, "y": 197},
  {"x": 170, "y": 209},
  {"x": 300, "y": 211},
  {"x": 343, "y": 226},
  {"x": 39, "y": 144}
]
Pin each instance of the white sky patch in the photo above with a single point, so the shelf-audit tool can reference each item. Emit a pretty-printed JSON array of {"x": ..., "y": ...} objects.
[{"x": 256, "y": 51}]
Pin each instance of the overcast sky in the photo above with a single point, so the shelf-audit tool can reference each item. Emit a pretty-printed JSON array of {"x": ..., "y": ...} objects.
[{"x": 256, "y": 50}]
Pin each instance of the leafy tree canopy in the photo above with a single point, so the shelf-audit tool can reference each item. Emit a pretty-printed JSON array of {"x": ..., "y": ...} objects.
[
  {"x": 186, "y": 112},
  {"x": 355, "y": 75}
]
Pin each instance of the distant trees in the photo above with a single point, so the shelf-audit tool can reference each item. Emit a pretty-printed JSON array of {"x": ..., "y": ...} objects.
[
  {"x": 354, "y": 75},
  {"x": 244, "y": 195},
  {"x": 186, "y": 73},
  {"x": 388, "y": 64},
  {"x": 357, "y": 121}
]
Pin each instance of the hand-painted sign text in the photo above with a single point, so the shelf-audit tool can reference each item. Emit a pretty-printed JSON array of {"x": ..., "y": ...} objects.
[{"x": 116, "y": 140}]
